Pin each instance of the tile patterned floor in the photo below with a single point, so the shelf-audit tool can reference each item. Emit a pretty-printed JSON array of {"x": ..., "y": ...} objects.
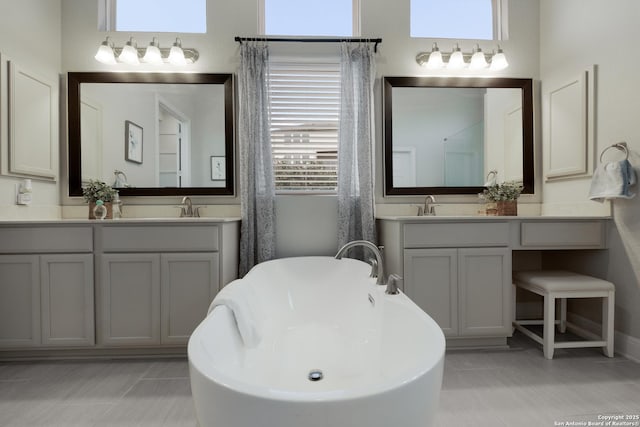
[{"x": 493, "y": 388}]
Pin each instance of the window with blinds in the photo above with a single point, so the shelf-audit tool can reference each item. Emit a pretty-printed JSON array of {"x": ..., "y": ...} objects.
[{"x": 305, "y": 109}]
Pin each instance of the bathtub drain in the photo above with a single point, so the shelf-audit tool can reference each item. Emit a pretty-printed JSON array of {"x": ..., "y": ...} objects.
[{"x": 315, "y": 375}]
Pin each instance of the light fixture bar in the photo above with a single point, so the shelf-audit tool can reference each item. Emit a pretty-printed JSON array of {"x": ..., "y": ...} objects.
[
  {"x": 422, "y": 58},
  {"x": 191, "y": 55}
]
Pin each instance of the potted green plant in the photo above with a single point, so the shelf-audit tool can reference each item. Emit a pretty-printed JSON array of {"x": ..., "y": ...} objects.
[
  {"x": 504, "y": 196},
  {"x": 96, "y": 190}
]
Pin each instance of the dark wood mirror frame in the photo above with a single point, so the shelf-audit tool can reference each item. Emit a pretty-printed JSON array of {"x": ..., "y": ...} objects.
[
  {"x": 526, "y": 85},
  {"x": 75, "y": 79}
]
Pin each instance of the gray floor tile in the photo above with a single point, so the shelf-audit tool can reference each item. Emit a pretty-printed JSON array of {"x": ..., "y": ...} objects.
[
  {"x": 170, "y": 368},
  {"x": 154, "y": 402},
  {"x": 493, "y": 388}
]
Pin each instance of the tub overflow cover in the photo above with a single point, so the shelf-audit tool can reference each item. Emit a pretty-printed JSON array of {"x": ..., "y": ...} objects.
[{"x": 315, "y": 375}]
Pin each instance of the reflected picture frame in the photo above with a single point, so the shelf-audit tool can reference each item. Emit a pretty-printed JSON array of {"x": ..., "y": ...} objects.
[
  {"x": 133, "y": 138},
  {"x": 218, "y": 169}
]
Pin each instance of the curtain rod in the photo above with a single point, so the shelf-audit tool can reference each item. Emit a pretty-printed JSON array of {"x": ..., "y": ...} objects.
[{"x": 313, "y": 40}]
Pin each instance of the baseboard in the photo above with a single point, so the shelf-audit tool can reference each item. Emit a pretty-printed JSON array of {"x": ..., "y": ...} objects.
[{"x": 625, "y": 345}]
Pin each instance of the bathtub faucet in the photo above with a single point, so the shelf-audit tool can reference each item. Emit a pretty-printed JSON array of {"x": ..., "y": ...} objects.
[{"x": 374, "y": 249}]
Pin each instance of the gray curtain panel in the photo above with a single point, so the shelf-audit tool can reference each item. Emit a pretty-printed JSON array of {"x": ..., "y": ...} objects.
[
  {"x": 257, "y": 185},
  {"x": 356, "y": 216}
]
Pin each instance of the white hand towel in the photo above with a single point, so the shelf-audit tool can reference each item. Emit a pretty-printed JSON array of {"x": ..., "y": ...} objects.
[
  {"x": 239, "y": 300},
  {"x": 612, "y": 181}
]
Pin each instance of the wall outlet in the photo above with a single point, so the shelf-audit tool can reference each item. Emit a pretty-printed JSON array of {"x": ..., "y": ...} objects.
[{"x": 23, "y": 193}]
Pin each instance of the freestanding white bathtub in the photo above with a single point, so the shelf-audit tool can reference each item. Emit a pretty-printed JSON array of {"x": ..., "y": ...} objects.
[{"x": 380, "y": 357}]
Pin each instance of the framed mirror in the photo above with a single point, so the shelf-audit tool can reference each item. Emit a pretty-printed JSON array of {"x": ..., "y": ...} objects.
[
  {"x": 152, "y": 134},
  {"x": 443, "y": 135}
]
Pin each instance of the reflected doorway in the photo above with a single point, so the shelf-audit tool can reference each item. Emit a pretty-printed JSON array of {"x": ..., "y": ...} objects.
[{"x": 174, "y": 147}]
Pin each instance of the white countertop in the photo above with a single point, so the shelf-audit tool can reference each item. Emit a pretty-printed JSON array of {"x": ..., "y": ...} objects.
[
  {"x": 159, "y": 220},
  {"x": 462, "y": 218}
]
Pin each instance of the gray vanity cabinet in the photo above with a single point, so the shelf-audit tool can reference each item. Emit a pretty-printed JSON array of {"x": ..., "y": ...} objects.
[
  {"x": 19, "y": 301},
  {"x": 484, "y": 292},
  {"x": 431, "y": 281},
  {"x": 67, "y": 301},
  {"x": 189, "y": 282},
  {"x": 110, "y": 287},
  {"x": 156, "y": 283},
  {"x": 457, "y": 272},
  {"x": 46, "y": 287},
  {"x": 129, "y": 299},
  {"x": 466, "y": 291}
]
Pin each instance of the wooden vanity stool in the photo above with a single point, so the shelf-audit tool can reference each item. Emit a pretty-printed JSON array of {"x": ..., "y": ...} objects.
[{"x": 558, "y": 284}]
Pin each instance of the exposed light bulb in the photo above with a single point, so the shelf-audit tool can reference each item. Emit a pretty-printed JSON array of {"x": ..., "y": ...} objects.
[
  {"x": 176, "y": 54},
  {"x": 105, "y": 53},
  {"x": 129, "y": 54}
]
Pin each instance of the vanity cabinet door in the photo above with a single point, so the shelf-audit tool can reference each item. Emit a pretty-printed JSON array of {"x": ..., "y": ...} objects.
[
  {"x": 431, "y": 281},
  {"x": 129, "y": 299},
  {"x": 67, "y": 300},
  {"x": 19, "y": 301},
  {"x": 484, "y": 291},
  {"x": 189, "y": 283}
]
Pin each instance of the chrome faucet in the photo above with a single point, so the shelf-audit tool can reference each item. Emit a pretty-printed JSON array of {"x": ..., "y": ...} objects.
[
  {"x": 376, "y": 251},
  {"x": 377, "y": 269},
  {"x": 187, "y": 209},
  {"x": 429, "y": 207}
]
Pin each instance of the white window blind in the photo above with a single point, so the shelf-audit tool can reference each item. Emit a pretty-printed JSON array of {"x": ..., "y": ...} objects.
[{"x": 305, "y": 109}]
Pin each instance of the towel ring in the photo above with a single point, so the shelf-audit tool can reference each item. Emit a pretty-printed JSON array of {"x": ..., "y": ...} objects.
[{"x": 622, "y": 146}]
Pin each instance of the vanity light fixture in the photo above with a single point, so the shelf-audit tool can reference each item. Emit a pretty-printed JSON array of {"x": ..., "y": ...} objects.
[
  {"x": 153, "y": 55},
  {"x": 130, "y": 53},
  {"x": 435, "y": 58},
  {"x": 498, "y": 61},
  {"x": 457, "y": 60},
  {"x": 105, "y": 53},
  {"x": 478, "y": 60},
  {"x": 176, "y": 55}
]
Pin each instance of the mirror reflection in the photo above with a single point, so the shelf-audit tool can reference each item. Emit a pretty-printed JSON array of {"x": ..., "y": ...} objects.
[
  {"x": 146, "y": 134},
  {"x": 157, "y": 135},
  {"x": 444, "y": 135},
  {"x": 456, "y": 136}
]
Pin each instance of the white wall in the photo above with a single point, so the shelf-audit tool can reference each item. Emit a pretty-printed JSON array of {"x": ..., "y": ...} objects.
[
  {"x": 573, "y": 35},
  {"x": 30, "y": 35}
]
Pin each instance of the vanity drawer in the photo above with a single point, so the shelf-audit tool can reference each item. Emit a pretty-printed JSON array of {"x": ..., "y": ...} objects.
[
  {"x": 169, "y": 238},
  {"x": 35, "y": 239},
  {"x": 456, "y": 234},
  {"x": 563, "y": 234}
]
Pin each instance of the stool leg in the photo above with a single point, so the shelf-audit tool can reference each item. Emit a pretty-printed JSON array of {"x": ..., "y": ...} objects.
[
  {"x": 608, "y": 331},
  {"x": 513, "y": 308},
  {"x": 548, "y": 331},
  {"x": 563, "y": 315}
]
